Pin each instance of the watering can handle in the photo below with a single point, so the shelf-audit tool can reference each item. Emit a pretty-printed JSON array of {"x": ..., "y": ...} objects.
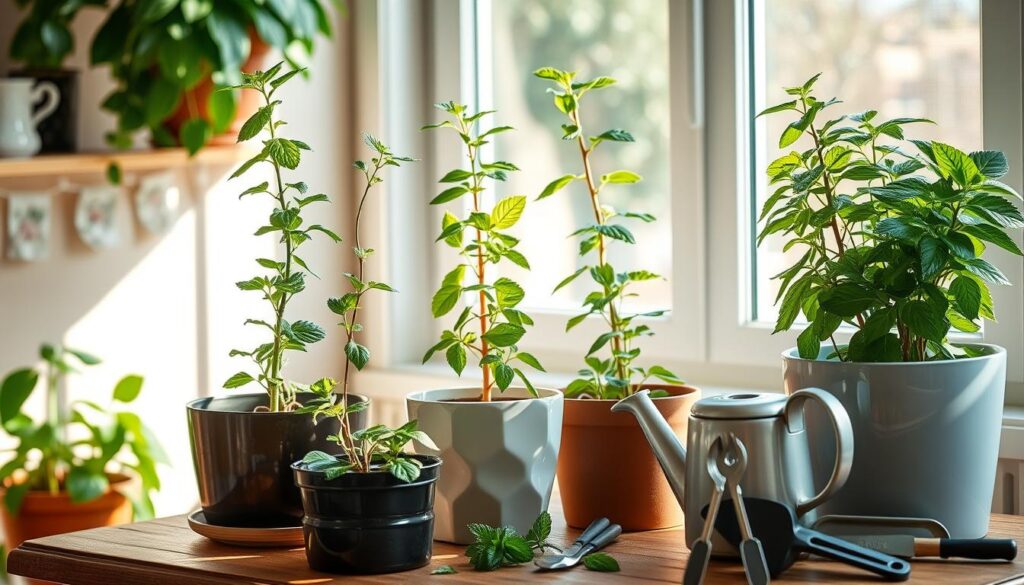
[{"x": 841, "y": 428}]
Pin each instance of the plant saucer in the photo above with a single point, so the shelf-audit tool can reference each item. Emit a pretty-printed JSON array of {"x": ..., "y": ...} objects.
[{"x": 287, "y": 536}]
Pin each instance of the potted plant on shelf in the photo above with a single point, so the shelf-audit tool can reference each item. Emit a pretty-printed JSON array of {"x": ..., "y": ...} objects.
[
  {"x": 369, "y": 509},
  {"x": 80, "y": 466},
  {"x": 170, "y": 60},
  {"x": 243, "y": 445},
  {"x": 500, "y": 451},
  {"x": 41, "y": 43},
  {"x": 589, "y": 487},
  {"x": 889, "y": 236}
]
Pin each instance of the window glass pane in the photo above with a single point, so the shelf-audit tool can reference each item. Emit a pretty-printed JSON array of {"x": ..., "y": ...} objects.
[
  {"x": 904, "y": 58},
  {"x": 624, "y": 39}
]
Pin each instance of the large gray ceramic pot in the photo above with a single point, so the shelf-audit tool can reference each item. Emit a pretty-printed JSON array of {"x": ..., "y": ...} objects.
[
  {"x": 499, "y": 456},
  {"x": 243, "y": 458},
  {"x": 926, "y": 435}
]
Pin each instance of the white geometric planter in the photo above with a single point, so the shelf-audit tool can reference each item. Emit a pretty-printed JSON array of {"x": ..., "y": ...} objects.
[{"x": 499, "y": 457}]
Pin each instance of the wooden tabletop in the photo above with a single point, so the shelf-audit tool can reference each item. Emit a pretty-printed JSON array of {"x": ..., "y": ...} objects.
[{"x": 166, "y": 551}]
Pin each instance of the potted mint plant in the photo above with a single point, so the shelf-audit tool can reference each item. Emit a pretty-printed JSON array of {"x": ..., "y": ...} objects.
[
  {"x": 368, "y": 509},
  {"x": 591, "y": 488},
  {"x": 890, "y": 235},
  {"x": 81, "y": 465},
  {"x": 499, "y": 441},
  {"x": 243, "y": 445},
  {"x": 170, "y": 61}
]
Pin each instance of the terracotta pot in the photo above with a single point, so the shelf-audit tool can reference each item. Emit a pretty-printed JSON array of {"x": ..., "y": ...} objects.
[
  {"x": 42, "y": 514},
  {"x": 606, "y": 467},
  {"x": 248, "y": 101}
]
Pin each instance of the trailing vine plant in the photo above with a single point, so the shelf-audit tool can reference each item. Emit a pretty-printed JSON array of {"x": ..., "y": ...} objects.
[
  {"x": 614, "y": 375},
  {"x": 287, "y": 276},
  {"x": 377, "y": 447},
  {"x": 893, "y": 232},
  {"x": 499, "y": 325}
]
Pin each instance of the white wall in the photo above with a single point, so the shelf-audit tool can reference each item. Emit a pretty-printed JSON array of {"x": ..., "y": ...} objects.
[{"x": 166, "y": 307}]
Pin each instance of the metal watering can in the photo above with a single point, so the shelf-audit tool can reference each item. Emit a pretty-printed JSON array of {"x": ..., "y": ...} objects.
[{"x": 772, "y": 428}]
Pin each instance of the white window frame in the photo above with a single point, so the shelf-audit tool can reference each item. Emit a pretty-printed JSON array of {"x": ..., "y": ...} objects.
[{"x": 708, "y": 337}]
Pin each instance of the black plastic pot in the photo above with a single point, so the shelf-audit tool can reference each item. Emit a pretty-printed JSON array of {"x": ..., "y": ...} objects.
[
  {"x": 368, "y": 522},
  {"x": 242, "y": 458},
  {"x": 58, "y": 132}
]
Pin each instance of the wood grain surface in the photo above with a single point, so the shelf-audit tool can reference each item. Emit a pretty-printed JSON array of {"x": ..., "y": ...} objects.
[{"x": 166, "y": 552}]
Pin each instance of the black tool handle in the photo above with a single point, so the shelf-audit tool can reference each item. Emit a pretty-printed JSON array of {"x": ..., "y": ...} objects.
[
  {"x": 754, "y": 564},
  {"x": 697, "y": 565},
  {"x": 595, "y": 528},
  {"x": 981, "y": 548},
  {"x": 887, "y": 566}
]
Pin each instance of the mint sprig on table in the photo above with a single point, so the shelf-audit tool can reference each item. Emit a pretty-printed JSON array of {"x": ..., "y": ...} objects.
[{"x": 504, "y": 547}]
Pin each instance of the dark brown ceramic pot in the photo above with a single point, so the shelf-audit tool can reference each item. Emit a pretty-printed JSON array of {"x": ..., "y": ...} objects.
[
  {"x": 243, "y": 458},
  {"x": 606, "y": 467}
]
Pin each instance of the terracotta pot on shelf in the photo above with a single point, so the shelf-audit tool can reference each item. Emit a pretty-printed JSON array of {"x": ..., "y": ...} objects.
[
  {"x": 42, "y": 514},
  {"x": 248, "y": 101},
  {"x": 606, "y": 467}
]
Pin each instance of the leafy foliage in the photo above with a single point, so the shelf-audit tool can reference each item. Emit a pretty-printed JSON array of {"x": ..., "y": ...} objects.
[
  {"x": 377, "y": 448},
  {"x": 602, "y": 562},
  {"x": 379, "y": 445},
  {"x": 159, "y": 51},
  {"x": 288, "y": 276},
  {"x": 43, "y": 39},
  {"x": 73, "y": 449},
  {"x": 444, "y": 570},
  {"x": 501, "y": 547},
  {"x": 893, "y": 232},
  {"x": 481, "y": 240},
  {"x": 610, "y": 371}
]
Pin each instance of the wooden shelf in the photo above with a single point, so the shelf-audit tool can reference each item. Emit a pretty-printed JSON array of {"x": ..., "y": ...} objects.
[{"x": 132, "y": 160}]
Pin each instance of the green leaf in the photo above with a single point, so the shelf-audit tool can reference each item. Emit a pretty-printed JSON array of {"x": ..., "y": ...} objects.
[
  {"x": 621, "y": 177},
  {"x": 504, "y": 335},
  {"x": 255, "y": 123},
  {"x": 529, "y": 360},
  {"x": 508, "y": 292},
  {"x": 614, "y": 135},
  {"x": 503, "y": 374},
  {"x": 307, "y": 331},
  {"x": 456, "y": 176},
  {"x": 955, "y": 163},
  {"x": 995, "y": 235},
  {"x": 778, "y": 108},
  {"x": 996, "y": 210},
  {"x": 990, "y": 163},
  {"x": 985, "y": 271},
  {"x": 967, "y": 294},
  {"x": 444, "y": 570},
  {"x": 357, "y": 354},
  {"x": 14, "y": 391},
  {"x": 194, "y": 134},
  {"x": 14, "y": 496},
  {"x": 807, "y": 344},
  {"x": 791, "y": 302},
  {"x": 456, "y": 356},
  {"x": 445, "y": 299},
  {"x": 404, "y": 469},
  {"x": 602, "y": 562},
  {"x": 846, "y": 300},
  {"x": 569, "y": 279},
  {"x": 508, "y": 211},
  {"x": 934, "y": 256},
  {"x": 900, "y": 190},
  {"x": 541, "y": 529},
  {"x": 85, "y": 485},
  {"x": 128, "y": 389},
  {"x": 878, "y": 324},
  {"x": 284, "y": 152},
  {"x": 616, "y": 232},
  {"x": 517, "y": 549},
  {"x": 796, "y": 129},
  {"x": 238, "y": 380},
  {"x": 925, "y": 321},
  {"x": 449, "y": 194}
]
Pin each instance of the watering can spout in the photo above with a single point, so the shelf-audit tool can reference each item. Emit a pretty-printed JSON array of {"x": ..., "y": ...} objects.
[{"x": 666, "y": 446}]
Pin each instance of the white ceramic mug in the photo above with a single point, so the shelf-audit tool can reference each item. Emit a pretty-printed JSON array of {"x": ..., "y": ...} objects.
[{"x": 18, "y": 136}]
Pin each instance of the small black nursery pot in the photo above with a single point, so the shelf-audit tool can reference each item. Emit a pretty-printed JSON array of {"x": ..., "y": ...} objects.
[{"x": 368, "y": 522}]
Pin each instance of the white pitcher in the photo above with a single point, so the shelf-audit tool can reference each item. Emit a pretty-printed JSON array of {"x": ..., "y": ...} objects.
[{"x": 18, "y": 136}]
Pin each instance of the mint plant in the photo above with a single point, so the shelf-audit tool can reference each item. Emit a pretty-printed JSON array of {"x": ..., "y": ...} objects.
[
  {"x": 612, "y": 374},
  {"x": 72, "y": 447},
  {"x": 492, "y": 327},
  {"x": 892, "y": 232},
  {"x": 287, "y": 276},
  {"x": 377, "y": 447}
]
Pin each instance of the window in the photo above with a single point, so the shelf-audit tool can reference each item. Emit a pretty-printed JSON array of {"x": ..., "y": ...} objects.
[{"x": 903, "y": 58}]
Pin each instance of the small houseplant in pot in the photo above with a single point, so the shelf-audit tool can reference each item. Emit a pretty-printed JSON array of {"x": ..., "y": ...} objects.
[
  {"x": 891, "y": 234},
  {"x": 370, "y": 508},
  {"x": 170, "y": 59},
  {"x": 80, "y": 466},
  {"x": 243, "y": 445},
  {"x": 41, "y": 43},
  {"x": 589, "y": 487},
  {"x": 499, "y": 451}
]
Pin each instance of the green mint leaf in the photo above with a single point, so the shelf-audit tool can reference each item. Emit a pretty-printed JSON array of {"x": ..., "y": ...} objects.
[{"x": 602, "y": 562}]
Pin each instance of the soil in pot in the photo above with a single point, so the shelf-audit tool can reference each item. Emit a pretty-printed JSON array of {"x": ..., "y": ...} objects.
[
  {"x": 243, "y": 458},
  {"x": 42, "y": 514},
  {"x": 368, "y": 522},
  {"x": 606, "y": 467}
]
